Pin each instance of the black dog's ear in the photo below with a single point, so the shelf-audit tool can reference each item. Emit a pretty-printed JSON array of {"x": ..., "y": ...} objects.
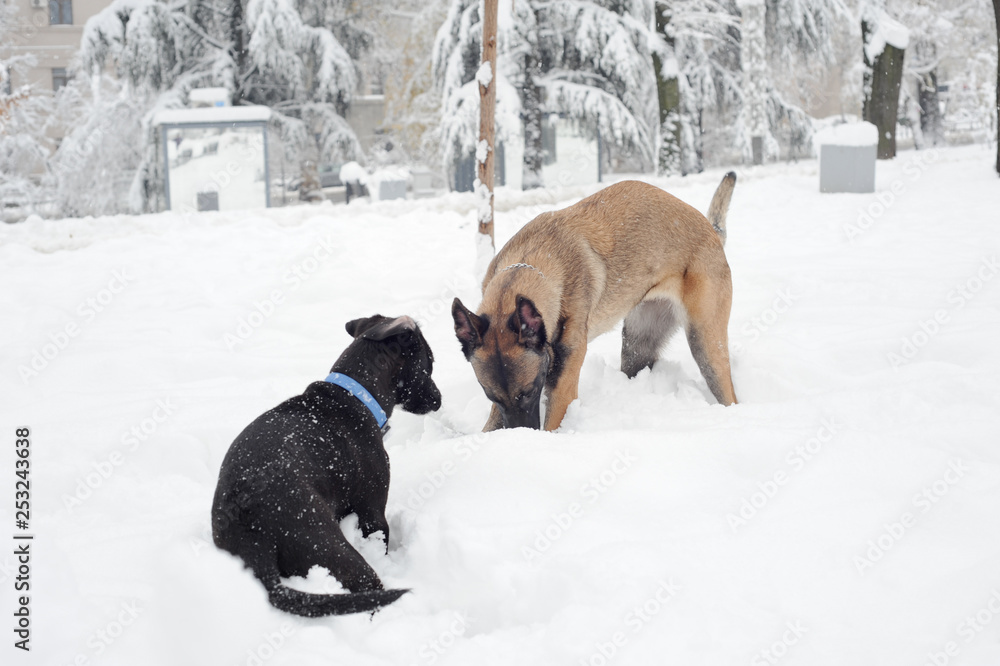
[
  {"x": 530, "y": 327},
  {"x": 469, "y": 328},
  {"x": 390, "y": 328},
  {"x": 356, "y": 327}
]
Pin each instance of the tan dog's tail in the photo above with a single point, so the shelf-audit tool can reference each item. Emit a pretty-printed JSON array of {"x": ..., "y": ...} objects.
[{"x": 720, "y": 204}]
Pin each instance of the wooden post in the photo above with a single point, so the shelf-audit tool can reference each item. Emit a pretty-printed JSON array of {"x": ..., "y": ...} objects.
[{"x": 487, "y": 113}]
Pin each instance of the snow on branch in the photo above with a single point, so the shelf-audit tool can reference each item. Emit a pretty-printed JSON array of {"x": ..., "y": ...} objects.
[
  {"x": 887, "y": 31},
  {"x": 588, "y": 103},
  {"x": 459, "y": 128},
  {"x": 336, "y": 77},
  {"x": 484, "y": 75}
]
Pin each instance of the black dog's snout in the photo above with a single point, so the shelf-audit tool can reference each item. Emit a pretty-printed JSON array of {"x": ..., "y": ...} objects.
[
  {"x": 422, "y": 396},
  {"x": 435, "y": 398},
  {"x": 429, "y": 399}
]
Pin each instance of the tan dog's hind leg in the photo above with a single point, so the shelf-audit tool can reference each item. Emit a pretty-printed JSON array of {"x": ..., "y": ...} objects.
[
  {"x": 566, "y": 389},
  {"x": 647, "y": 328},
  {"x": 707, "y": 301}
]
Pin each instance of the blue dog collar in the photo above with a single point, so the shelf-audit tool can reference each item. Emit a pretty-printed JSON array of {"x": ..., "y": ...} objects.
[{"x": 362, "y": 394}]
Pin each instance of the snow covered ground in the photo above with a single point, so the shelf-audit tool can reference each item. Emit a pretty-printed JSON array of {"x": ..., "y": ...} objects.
[{"x": 846, "y": 512}]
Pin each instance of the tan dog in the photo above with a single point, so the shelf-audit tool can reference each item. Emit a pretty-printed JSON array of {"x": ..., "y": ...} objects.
[{"x": 629, "y": 252}]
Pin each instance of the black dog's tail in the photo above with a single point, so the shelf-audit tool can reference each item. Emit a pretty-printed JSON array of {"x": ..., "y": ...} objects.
[
  {"x": 317, "y": 605},
  {"x": 309, "y": 604},
  {"x": 720, "y": 204}
]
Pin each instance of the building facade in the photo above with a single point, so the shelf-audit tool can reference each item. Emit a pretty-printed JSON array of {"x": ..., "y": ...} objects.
[{"x": 49, "y": 30}]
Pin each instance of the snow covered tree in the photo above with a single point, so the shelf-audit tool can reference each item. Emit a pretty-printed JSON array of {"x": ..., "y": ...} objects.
[
  {"x": 455, "y": 61},
  {"x": 262, "y": 51},
  {"x": 25, "y": 180},
  {"x": 801, "y": 38},
  {"x": 593, "y": 62},
  {"x": 96, "y": 162},
  {"x": 558, "y": 56},
  {"x": 158, "y": 52},
  {"x": 304, "y": 74},
  {"x": 707, "y": 43},
  {"x": 951, "y": 47},
  {"x": 368, "y": 31},
  {"x": 938, "y": 29},
  {"x": 291, "y": 64},
  {"x": 590, "y": 61},
  {"x": 706, "y": 48},
  {"x": 919, "y": 96},
  {"x": 525, "y": 49},
  {"x": 927, "y": 127},
  {"x": 413, "y": 103}
]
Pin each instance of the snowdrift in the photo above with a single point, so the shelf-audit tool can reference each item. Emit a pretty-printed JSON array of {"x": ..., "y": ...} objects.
[{"x": 844, "y": 513}]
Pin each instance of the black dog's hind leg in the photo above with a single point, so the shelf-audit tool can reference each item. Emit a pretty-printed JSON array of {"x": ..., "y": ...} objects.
[
  {"x": 647, "y": 328},
  {"x": 374, "y": 521},
  {"x": 316, "y": 539},
  {"x": 331, "y": 550}
]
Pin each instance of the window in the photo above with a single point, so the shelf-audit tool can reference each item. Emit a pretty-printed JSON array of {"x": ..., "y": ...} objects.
[
  {"x": 60, "y": 12},
  {"x": 59, "y": 78}
]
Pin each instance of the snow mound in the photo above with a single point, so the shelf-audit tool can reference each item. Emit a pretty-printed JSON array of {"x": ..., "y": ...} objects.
[{"x": 848, "y": 134}]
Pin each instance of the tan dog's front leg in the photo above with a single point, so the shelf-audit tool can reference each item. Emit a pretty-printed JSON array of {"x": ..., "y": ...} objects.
[
  {"x": 495, "y": 422},
  {"x": 566, "y": 388}
]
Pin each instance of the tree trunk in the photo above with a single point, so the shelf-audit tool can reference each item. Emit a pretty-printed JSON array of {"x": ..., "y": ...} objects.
[
  {"x": 693, "y": 152},
  {"x": 669, "y": 97},
  {"x": 881, "y": 86},
  {"x": 930, "y": 109},
  {"x": 487, "y": 120},
  {"x": 753, "y": 62},
  {"x": 240, "y": 39},
  {"x": 531, "y": 104},
  {"x": 996, "y": 12}
]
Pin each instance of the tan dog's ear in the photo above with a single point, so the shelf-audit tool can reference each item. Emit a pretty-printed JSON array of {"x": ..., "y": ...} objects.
[
  {"x": 529, "y": 324},
  {"x": 469, "y": 328}
]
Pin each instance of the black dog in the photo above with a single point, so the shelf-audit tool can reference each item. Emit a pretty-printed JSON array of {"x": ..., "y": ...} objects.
[{"x": 297, "y": 470}]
